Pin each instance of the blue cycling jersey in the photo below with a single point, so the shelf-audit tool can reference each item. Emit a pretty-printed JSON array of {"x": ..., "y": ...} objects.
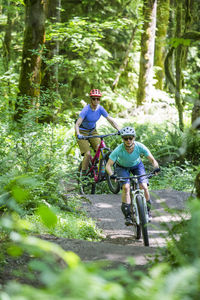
[
  {"x": 90, "y": 117},
  {"x": 125, "y": 159}
]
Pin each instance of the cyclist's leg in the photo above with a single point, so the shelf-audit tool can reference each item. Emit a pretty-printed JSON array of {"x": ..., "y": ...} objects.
[
  {"x": 84, "y": 147},
  {"x": 94, "y": 142},
  {"x": 126, "y": 200}
]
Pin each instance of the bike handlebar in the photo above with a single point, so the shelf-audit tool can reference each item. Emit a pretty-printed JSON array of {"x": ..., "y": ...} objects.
[
  {"x": 134, "y": 177},
  {"x": 98, "y": 136}
]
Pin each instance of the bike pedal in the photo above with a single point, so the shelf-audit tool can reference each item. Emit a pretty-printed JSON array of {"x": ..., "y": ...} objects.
[{"x": 129, "y": 223}]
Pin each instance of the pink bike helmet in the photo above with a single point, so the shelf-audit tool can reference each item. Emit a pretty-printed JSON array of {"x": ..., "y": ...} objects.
[{"x": 95, "y": 93}]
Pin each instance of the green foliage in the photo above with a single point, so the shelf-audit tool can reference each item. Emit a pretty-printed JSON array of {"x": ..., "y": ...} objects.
[
  {"x": 68, "y": 224},
  {"x": 184, "y": 246},
  {"x": 183, "y": 176}
]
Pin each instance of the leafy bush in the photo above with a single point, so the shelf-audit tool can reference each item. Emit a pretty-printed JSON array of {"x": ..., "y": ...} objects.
[{"x": 184, "y": 246}]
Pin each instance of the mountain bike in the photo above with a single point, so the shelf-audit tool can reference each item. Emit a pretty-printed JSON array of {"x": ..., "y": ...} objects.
[
  {"x": 96, "y": 172},
  {"x": 139, "y": 210}
]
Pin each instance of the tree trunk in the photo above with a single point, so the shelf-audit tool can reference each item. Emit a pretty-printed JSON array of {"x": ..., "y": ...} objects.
[
  {"x": 147, "y": 52},
  {"x": 160, "y": 46},
  {"x": 30, "y": 75},
  {"x": 180, "y": 53},
  {"x": 197, "y": 185},
  {"x": 196, "y": 110},
  {"x": 178, "y": 63},
  {"x": 7, "y": 37}
]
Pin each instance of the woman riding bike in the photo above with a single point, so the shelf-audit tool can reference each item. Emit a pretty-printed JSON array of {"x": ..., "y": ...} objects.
[
  {"x": 86, "y": 125},
  {"x": 127, "y": 159}
]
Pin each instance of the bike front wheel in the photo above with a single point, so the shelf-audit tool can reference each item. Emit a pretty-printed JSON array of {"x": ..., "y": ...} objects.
[
  {"x": 136, "y": 227},
  {"x": 143, "y": 219},
  {"x": 86, "y": 182}
]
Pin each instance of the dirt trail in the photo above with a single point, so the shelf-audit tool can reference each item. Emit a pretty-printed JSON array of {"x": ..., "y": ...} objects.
[{"x": 119, "y": 242}]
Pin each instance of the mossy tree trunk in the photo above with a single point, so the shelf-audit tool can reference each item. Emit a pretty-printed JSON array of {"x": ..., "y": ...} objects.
[
  {"x": 183, "y": 39},
  {"x": 8, "y": 36},
  {"x": 197, "y": 185},
  {"x": 30, "y": 75},
  {"x": 147, "y": 52},
  {"x": 178, "y": 64},
  {"x": 7, "y": 48},
  {"x": 160, "y": 45},
  {"x": 196, "y": 110}
]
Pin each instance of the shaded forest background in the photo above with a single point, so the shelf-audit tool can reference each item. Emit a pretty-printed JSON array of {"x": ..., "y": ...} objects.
[{"x": 145, "y": 58}]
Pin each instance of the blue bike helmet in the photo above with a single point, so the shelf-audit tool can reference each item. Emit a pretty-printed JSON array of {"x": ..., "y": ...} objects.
[{"x": 126, "y": 131}]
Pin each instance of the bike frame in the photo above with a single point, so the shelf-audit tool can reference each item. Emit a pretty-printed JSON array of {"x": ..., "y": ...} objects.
[
  {"x": 139, "y": 206},
  {"x": 135, "y": 190},
  {"x": 98, "y": 156}
]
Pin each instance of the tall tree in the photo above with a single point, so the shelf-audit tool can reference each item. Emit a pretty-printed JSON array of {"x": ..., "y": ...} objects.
[
  {"x": 147, "y": 52},
  {"x": 8, "y": 36},
  {"x": 176, "y": 57},
  {"x": 30, "y": 75},
  {"x": 160, "y": 45}
]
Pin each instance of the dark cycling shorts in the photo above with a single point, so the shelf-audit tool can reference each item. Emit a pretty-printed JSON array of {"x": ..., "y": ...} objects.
[{"x": 136, "y": 170}]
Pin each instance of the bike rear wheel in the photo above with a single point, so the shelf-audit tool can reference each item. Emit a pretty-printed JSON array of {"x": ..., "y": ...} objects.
[
  {"x": 86, "y": 182},
  {"x": 143, "y": 220}
]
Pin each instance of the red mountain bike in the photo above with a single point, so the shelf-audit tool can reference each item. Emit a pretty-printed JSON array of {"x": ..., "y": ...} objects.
[{"x": 96, "y": 172}]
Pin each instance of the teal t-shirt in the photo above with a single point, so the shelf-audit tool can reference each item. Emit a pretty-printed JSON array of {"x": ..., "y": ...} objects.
[{"x": 125, "y": 159}]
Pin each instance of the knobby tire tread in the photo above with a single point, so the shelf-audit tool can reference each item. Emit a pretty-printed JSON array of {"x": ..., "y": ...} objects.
[
  {"x": 114, "y": 188},
  {"x": 143, "y": 220},
  {"x": 137, "y": 229}
]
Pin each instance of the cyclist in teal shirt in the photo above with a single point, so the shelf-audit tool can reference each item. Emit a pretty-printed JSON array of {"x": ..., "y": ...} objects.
[{"x": 127, "y": 157}]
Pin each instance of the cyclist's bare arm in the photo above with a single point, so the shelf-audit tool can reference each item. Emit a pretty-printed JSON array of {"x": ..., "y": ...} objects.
[
  {"x": 113, "y": 123},
  {"x": 153, "y": 161},
  {"x": 78, "y": 123},
  {"x": 109, "y": 165}
]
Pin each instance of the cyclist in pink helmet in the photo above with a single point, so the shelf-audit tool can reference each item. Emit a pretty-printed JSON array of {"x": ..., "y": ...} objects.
[{"x": 86, "y": 125}]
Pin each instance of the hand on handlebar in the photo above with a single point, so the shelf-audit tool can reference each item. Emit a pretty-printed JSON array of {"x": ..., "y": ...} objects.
[
  {"x": 113, "y": 176},
  {"x": 80, "y": 136},
  {"x": 156, "y": 171}
]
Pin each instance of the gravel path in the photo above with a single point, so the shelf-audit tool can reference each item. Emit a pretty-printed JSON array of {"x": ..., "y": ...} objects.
[{"x": 119, "y": 242}]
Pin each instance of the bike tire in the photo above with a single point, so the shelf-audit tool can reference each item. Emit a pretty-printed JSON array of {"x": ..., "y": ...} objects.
[
  {"x": 143, "y": 220},
  {"x": 89, "y": 186},
  {"x": 113, "y": 185},
  {"x": 136, "y": 227}
]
